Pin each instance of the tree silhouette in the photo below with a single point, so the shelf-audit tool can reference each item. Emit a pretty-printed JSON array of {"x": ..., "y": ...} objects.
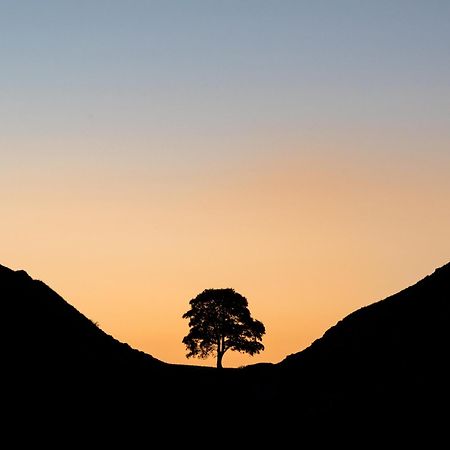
[{"x": 220, "y": 320}]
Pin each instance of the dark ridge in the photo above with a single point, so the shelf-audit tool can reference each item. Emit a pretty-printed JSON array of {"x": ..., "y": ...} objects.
[
  {"x": 387, "y": 361},
  {"x": 46, "y": 331},
  {"x": 383, "y": 370},
  {"x": 55, "y": 356},
  {"x": 412, "y": 320}
]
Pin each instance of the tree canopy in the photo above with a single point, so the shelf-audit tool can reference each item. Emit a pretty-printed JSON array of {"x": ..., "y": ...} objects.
[{"x": 219, "y": 320}]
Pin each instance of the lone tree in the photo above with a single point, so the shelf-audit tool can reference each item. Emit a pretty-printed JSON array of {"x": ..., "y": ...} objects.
[{"x": 220, "y": 320}]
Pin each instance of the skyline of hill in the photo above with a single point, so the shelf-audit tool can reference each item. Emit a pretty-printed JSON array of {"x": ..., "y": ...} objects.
[
  {"x": 383, "y": 362},
  {"x": 391, "y": 355}
]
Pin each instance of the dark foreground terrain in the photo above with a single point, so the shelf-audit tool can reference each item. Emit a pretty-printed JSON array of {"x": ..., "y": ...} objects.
[{"x": 383, "y": 368}]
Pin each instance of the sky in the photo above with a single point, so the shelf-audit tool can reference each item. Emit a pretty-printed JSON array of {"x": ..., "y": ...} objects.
[{"x": 296, "y": 151}]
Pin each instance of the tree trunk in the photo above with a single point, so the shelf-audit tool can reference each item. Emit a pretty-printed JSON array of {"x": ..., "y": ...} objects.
[{"x": 219, "y": 360}]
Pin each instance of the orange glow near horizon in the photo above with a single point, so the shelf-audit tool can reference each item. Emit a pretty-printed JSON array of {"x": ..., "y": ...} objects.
[
  {"x": 306, "y": 241},
  {"x": 298, "y": 152}
]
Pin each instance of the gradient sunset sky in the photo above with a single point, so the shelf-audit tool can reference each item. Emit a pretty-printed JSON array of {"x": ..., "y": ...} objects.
[{"x": 296, "y": 151}]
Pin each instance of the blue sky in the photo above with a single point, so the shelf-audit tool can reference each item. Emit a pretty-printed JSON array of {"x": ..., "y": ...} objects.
[{"x": 222, "y": 68}]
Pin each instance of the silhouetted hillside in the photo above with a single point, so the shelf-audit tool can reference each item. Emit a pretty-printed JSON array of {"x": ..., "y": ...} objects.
[
  {"x": 416, "y": 320},
  {"x": 381, "y": 366},
  {"x": 57, "y": 363},
  {"x": 44, "y": 330},
  {"x": 389, "y": 360}
]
